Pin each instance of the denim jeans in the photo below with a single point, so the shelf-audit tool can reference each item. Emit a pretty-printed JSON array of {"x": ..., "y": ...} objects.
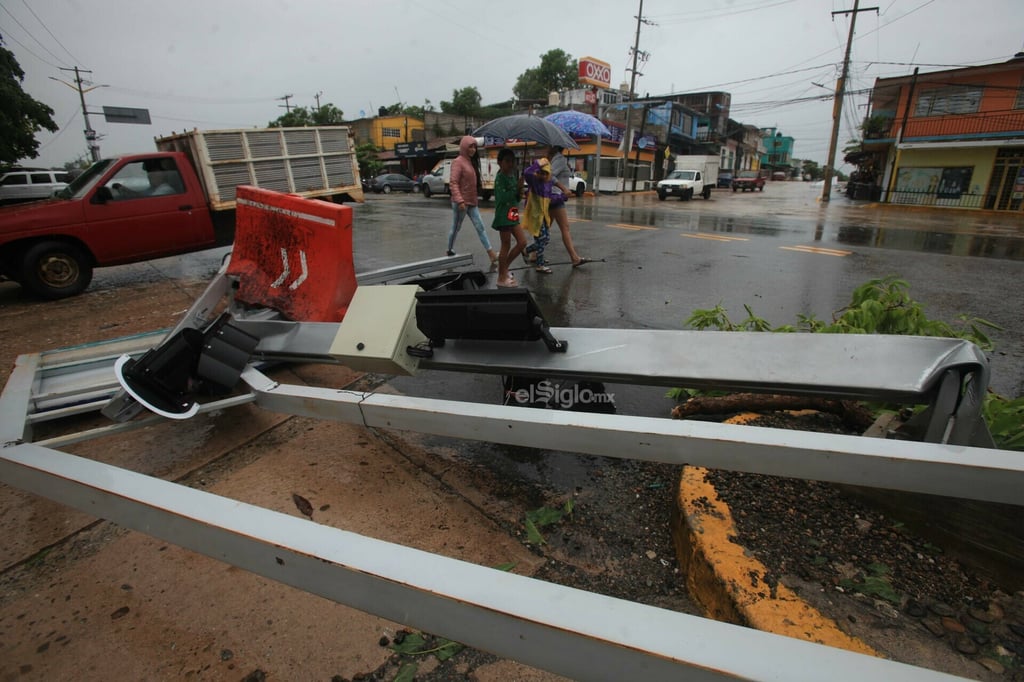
[{"x": 478, "y": 223}]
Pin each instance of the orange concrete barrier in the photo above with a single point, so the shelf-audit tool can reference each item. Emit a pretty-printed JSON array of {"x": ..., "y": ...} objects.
[{"x": 293, "y": 255}]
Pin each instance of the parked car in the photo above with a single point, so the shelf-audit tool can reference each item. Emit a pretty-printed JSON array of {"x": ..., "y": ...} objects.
[
  {"x": 390, "y": 182},
  {"x": 748, "y": 180},
  {"x": 724, "y": 179},
  {"x": 31, "y": 185},
  {"x": 577, "y": 184},
  {"x": 780, "y": 175}
]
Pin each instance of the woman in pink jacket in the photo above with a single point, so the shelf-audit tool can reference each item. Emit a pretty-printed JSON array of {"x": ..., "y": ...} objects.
[{"x": 464, "y": 181}]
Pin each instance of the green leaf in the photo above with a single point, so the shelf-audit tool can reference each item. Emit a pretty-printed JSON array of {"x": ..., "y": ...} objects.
[
  {"x": 545, "y": 516},
  {"x": 446, "y": 649},
  {"x": 413, "y": 643},
  {"x": 568, "y": 507},
  {"x": 879, "y": 587},
  {"x": 533, "y": 535},
  {"x": 878, "y": 569},
  {"x": 507, "y": 566},
  {"x": 407, "y": 673}
]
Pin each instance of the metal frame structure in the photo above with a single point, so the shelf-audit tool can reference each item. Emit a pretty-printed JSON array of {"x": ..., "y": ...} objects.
[{"x": 564, "y": 630}]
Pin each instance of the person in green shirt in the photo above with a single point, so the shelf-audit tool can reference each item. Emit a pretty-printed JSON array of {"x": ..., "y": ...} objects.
[{"x": 507, "y": 193}]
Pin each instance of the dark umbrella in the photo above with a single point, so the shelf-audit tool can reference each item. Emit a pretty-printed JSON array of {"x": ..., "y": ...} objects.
[
  {"x": 578, "y": 123},
  {"x": 526, "y": 128}
]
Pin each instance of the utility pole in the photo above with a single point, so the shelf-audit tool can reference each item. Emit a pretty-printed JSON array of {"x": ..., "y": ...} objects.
[
  {"x": 642, "y": 56},
  {"x": 287, "y": 105},
  {"x": 837, "y": 107},
  {"x": 317, "y": 98},
  {"x": 90, "y": 134}
]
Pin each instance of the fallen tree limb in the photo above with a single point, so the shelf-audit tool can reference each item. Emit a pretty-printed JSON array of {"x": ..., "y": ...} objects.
[{"x": 852, "y": 413}]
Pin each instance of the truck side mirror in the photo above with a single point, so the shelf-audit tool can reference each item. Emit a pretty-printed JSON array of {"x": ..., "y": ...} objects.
[{"x": 103, "y": 195}]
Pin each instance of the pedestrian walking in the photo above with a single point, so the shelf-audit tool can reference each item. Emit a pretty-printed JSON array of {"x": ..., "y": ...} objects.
[
  {"x": 536, "y": 216},
  {"x": 560, "y": 192},
  {"x": 464, "y": 184},
  {"x": 507, "y": 193}
]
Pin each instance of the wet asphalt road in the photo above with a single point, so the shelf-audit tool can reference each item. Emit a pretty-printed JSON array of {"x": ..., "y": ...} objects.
[{"x": 782, "y": 252}]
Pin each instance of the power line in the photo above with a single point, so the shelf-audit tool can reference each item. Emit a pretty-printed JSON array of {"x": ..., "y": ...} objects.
[
  {"x": 29, "y": 50},
  {"x": 29, "y": 33},
  {"x": 43, "y": 24}
]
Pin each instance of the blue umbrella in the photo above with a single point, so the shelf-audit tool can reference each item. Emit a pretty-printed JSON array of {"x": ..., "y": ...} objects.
[
  {"x": 527, "y": 128},
  {"x": 578, "y": 123}
]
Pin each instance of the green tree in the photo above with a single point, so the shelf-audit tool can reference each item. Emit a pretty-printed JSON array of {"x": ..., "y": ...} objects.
[
  {"x": 366, "y": 157},
  {"x": 557, "y": 71},
  {"x": 417, "y": 111},
  {"x": 465, "y": 102},
  {"x": 326, "y": 115},
  {"x": 813, "y": 169},
  {"x": 21, "y": 116}
]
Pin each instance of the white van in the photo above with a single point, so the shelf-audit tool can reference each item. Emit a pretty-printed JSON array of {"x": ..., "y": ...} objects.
[{"x": 31, "y": 185}]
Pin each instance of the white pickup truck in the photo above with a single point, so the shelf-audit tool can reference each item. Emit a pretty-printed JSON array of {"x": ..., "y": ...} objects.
[
  {"x": 437, "y": 181},
  {"x": 693, "y": 175}
]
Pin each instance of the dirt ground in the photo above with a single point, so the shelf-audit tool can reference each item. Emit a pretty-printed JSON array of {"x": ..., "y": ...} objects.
[{"x": 83, "y": 599}]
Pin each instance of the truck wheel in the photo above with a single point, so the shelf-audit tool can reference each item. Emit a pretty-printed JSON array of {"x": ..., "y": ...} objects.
[
  {"x": 687, "y": 195},
  {"x": 426, "y": 190},
  {"x": 734, "y": 188},
  {"x": 53, "y": 270},
  {"x": 707, "y": 192},
  {"x": 661, "y": 196},
  {"x": 580, "y": 189}
]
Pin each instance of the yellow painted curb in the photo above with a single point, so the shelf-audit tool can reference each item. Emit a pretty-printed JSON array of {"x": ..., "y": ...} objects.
[{"x": 727, "y": 582}]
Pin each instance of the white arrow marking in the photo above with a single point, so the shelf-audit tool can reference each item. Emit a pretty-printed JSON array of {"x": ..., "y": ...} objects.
[
  {"x": 284, "y": 275},
  {"x": 302, "y": 277}
]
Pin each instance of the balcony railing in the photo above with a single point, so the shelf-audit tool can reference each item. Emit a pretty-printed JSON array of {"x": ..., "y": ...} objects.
[{"x": 965, "y": 126}]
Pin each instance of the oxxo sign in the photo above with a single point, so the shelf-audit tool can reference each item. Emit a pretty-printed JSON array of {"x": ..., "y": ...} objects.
[{"x": 595, "y": 72}]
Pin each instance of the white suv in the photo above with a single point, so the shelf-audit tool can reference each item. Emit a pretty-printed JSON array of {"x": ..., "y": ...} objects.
[{"x": 31, "y": 185}]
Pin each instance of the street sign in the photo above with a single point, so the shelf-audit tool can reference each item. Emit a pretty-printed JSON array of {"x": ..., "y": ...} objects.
[{"x": 126, "y": 115}]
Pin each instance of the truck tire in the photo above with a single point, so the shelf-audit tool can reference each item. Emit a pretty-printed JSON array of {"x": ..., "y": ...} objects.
[
  {"x": 734, "y": 188},
  {"x": 580, "y": 189},
  {"x": 661, "y": 196},
  {"x": 687, "y": 195},
  {"x": 707, "y": 192},
  {"x": 426, "y": 190},
  {"x": 55, "y": 269}
]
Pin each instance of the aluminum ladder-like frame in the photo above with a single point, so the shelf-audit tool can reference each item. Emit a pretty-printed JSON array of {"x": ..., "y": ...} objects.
[{"x": 573, "y": 633}]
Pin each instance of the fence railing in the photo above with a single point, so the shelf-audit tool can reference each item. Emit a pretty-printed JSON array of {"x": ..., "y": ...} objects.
[
  {"x": 962, "y": 200},
  {"x": 1002, "y": 124}
]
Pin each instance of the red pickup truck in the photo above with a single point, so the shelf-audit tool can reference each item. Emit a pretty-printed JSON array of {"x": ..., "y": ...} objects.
[
  {"x": 182, "y": 199},
  {"x": 748, "y": 180}
]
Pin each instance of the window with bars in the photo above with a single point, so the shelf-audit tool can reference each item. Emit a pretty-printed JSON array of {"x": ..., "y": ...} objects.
[
  {"x": 954, "y": 99},
  {"x": 1019, "y": 103},
  {"x": 391, "y": 132}
]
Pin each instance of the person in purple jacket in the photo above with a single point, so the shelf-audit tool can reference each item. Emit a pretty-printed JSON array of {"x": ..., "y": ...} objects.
[{"x": 464, "y": 181}]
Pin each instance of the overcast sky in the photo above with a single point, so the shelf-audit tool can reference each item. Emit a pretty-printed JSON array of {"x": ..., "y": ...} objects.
[{"x": 226, "y": 63}]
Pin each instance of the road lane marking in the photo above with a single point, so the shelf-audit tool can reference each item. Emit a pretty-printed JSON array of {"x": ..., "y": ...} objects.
[
  {"x": 626, "y": 226},
  {"x": 716, "y": 237},
  {"x": 818, "y": 250}
]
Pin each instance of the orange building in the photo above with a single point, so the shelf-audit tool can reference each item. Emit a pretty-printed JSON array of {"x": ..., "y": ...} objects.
[{"x": 950, "y": 138}]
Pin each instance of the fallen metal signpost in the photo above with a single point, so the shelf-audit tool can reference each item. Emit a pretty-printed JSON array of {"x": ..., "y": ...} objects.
[{"x": 404, "y": 328}]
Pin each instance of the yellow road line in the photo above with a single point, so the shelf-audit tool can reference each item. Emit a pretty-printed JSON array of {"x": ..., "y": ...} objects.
[
  {"x": 716, "y": 237},
  {"x": 818, "y": 250},
  {"x": 624, "y": 226}
]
